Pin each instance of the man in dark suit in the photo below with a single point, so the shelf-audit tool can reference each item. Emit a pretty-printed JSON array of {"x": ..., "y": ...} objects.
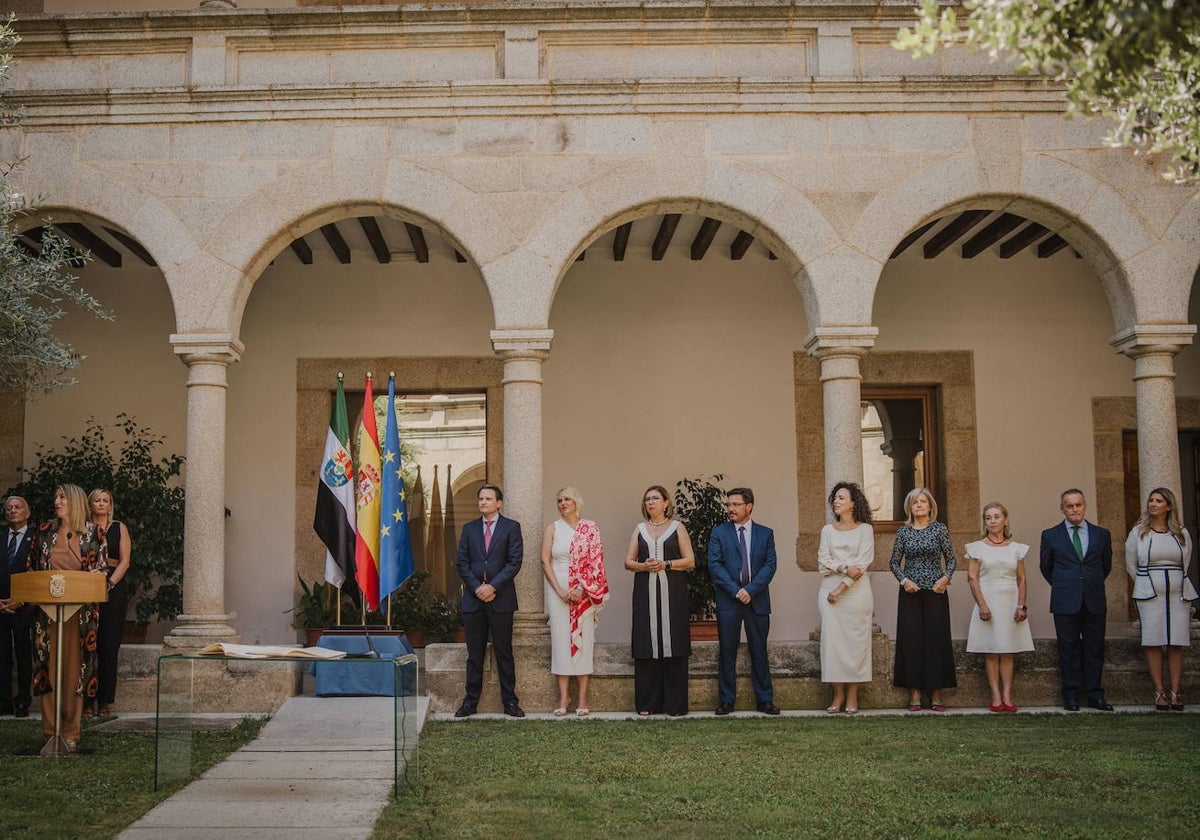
[
  {"x": 489, "y": 557},
  {"x": 14, "y": 621},
  {"x": 741, "y": 561},
  {"x": 1076, "y": 557}
]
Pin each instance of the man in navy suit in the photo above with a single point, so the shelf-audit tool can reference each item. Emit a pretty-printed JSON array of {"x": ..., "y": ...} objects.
[
  {"x": 1076, "y": 557},
  {"x": 741, "y": 561},
  {"x": 489, "y": 557},
  {"x": 14, "y": 621}
]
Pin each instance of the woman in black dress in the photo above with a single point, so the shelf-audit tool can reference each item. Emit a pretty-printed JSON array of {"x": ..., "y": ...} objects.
[
  {"x": 923, "y": 561},
  {"x": 660, "y": 554},
  {"x": 112, "y": 611}
]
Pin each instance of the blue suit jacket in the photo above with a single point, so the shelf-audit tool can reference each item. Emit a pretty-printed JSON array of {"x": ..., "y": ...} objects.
[
  {"x": 725, "y": 565},
  {"x": 1076, "y": 584},
  {"x": 18, "y": 563},
  {"x": 499, "y": 564}
]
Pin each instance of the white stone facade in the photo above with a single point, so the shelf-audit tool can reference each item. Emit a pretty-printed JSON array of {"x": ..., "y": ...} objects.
[{"x": 523, "y": 134}]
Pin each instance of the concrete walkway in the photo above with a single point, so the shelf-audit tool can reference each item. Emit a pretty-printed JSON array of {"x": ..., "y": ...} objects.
[{"x": 320, "y": 768}]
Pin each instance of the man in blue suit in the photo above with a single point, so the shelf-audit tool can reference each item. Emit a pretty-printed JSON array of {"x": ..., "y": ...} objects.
[
  {"x": 14, "y": 621},
  {"x": 489, "y": 557},
  {"x": 1076, "y": 557},
  {"x": 741, "y": 560}
]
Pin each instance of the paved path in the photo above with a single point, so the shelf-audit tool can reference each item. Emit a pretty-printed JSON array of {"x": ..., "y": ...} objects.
[{"x": 321, "y": 768}]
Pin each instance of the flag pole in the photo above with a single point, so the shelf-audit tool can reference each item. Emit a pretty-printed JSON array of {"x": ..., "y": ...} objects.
[{"x": 341, "y": 377}]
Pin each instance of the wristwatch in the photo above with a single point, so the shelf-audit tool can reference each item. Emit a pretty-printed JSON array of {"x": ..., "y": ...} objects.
[
  {"x": 1022, "y": 608},
  {"x": 667, "y": 565}
]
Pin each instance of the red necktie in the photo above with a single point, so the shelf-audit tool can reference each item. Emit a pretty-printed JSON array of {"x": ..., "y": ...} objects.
[{"x": 487, "y": 534}]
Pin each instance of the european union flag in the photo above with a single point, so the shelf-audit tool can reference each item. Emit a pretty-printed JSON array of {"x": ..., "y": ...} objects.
[{"x": 395, "y": 548}]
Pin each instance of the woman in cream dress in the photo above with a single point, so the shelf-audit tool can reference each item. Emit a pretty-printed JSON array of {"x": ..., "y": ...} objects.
[
  {"x": 844, "y": 599},
  {"x": 576, "y": 588},
  {"x": 1156, "y": 557},
  {"x": 999, "y": 625}
]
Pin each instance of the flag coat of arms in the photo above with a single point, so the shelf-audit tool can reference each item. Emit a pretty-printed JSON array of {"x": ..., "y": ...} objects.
[
  {"x": 366, "y": 547},
  {"x": 334, "y": 520}
]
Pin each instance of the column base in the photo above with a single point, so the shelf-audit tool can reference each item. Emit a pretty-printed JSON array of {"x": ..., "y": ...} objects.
[
  {"x": 530, "y": 626},
  {"x": 197, "y": 631}
]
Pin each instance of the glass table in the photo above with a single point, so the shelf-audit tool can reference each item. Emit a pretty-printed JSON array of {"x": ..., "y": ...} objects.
[{"x": 182, "y": 676}]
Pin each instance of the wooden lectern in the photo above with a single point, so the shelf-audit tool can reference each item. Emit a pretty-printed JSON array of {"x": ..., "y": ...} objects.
[{"x": 60, "y": 594}]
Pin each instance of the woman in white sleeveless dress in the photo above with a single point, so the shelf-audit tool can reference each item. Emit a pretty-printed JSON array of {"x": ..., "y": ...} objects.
[
  {"x": 999, "y": 626},
  {"x": 844, "y": 598},
  {"x": 576, "y": 588}
]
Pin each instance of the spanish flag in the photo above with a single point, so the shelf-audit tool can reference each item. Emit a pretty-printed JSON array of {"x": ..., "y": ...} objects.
[{"x": 370, "y": 486}]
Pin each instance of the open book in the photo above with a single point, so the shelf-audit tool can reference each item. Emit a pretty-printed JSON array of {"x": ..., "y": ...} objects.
[{"x": 272, "y": 651}]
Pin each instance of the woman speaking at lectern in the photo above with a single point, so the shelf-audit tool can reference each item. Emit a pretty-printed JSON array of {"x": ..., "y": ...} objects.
[{"x": 68, "y": 542}]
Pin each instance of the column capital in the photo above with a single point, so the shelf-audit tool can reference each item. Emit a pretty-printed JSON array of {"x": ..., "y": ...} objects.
[
  {"x": 522, "y": 344},
  {"x": 216, "y": 348},
  {"x": 1143, "y": 339},
  {"x": 839, "y": 341}
]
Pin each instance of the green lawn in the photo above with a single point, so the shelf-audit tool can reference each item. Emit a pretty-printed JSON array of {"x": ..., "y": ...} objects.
[
  {"x": 1084, "y": 776},
  {"x": 93, "y": 796}
]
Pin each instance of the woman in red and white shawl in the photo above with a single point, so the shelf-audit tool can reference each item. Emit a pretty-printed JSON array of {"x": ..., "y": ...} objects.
[{"x": 576, "y": 588}]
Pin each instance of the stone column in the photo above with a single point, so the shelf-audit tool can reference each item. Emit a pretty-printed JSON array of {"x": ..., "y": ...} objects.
[
  {"x": 523, "y": 352},
  {"x": 839, "y": 349},
  {"x": 204, "y": 619},
  {"x": 1153, "y": 348}
]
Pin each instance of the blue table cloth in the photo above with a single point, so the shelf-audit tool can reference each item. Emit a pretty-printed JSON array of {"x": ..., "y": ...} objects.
[{"x": 363, "y": 676}]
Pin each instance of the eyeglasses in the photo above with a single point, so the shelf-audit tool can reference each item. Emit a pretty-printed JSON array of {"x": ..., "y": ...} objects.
[
  {"x": 736, "y": 504},
  {"x": 654, "y": 499}
]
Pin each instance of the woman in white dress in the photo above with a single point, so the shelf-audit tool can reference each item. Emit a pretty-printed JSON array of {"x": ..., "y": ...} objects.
[
  {"x": 1156, "y": 557},
  {"x": 576, "y": 588},
  {"x": 999, "y": 624},
  {"x": 844, "y": 599}
]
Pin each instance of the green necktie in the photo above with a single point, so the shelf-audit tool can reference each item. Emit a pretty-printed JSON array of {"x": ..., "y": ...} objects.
[{"x": 1078, "y": 542}]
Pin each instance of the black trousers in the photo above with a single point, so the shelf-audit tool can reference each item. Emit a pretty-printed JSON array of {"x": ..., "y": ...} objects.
[
  {"x": 16, "y": 652},
  {"x": 924, "y": 654},
  {"x": 108, "y": 641},
  {"x": 1081, "y": 653},
  {"x": 661, "y": 685},
  {"x": 478, "y": 626}
]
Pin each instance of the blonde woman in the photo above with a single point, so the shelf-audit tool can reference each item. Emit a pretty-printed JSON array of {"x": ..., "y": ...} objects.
[
  {"x": 999, "y": 623},
  {"x": 1156, "y": 557},
  {"x": 576, "y": 589},
  {"x": 67, "y": 542},
  {"x": 112, "y": 611},
  {"x": 923, "y": 561}
]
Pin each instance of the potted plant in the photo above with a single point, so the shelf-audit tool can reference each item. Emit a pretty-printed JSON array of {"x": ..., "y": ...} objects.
[
  {"x": 423, "y": 615},
  {"x": 147, "y": 498},
  {"x": 700, "y": 506},
  {"x": 315, "y": 609}
]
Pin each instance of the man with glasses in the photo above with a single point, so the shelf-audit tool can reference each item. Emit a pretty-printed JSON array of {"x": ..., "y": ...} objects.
[
  {"x": 741, "y": 560},
  {"x": 14, "y": 620}
]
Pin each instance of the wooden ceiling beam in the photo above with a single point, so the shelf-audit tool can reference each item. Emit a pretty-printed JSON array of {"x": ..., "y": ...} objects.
[
  {"x": 375, "y": 237},
  {"x": 740, "y": 245},
  {"x": 1051, "y": 246},
  {"x": 621, "y": 241},
  {"x": 1025, "y": 237},
  {"x": 704, "y": 237},
  {"x": 334, "y": 237},
  {"x": 948, "y": 235},
  {"x": 666, "y": 231},
  {"x": 911, "y": 238},
  {"x": 134, "y": 246},
  {"x": 420, "y": 247},
  {"x": 1001, "y": 227},
  {"x": 302, "y": 250},
  {"x": 86, "y": 238}
]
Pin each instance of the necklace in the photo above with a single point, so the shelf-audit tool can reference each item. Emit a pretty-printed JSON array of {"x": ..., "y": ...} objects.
[
  {"x": 993, "y": 542},
  {"x": 658, "y": 524}
]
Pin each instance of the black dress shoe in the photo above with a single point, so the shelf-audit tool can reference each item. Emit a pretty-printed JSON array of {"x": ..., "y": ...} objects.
[
  {"x": 513, "y": 710},
  {"x": 1071, "y": 705},
  {"x": 1101, "y": 705},
  {"x": 21, "y": 711},
  {"x": 724, "y": 709},
  {"x": 465, "y": 710},
  {"x": 768, "y": 708}
]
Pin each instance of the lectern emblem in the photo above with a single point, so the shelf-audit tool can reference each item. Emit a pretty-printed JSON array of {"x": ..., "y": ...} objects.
[{"x": 58, "y": 586}]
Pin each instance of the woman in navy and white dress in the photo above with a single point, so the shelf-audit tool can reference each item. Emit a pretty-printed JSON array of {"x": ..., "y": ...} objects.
[
  {"x": 999, "y": 622},
  {"x": 660, "y": 553},
  {"x": 1156, "y": 557}
]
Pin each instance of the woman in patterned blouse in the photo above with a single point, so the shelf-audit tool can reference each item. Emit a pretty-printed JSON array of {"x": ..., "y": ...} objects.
[{"x": 923, "y": 561}]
